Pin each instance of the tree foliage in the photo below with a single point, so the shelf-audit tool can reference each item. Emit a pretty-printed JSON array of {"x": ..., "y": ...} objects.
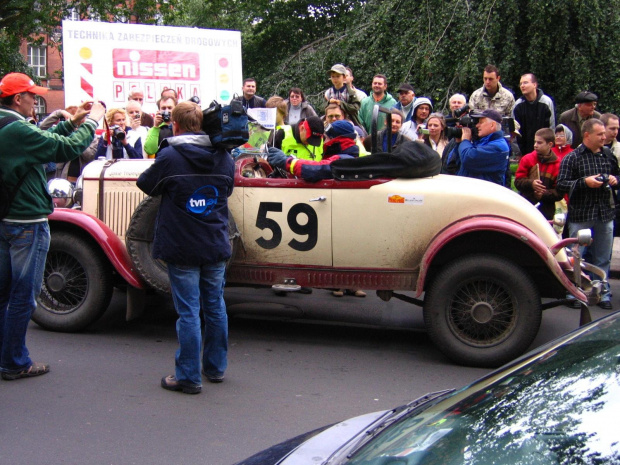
[{"x": 440, "y": 46}]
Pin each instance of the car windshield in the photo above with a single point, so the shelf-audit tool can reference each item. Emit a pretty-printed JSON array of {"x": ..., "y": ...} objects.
[{"x": 559, "y": 408}]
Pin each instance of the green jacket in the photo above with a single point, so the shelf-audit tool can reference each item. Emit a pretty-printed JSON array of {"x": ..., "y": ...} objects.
[
  {"x": 25, "y": 148},
  {"x": 151, "y": 144},
  {"x": 368, "y": 104}
]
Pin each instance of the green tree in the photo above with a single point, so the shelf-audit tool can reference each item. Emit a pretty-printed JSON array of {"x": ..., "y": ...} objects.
[{"x": 441, "y": 46}]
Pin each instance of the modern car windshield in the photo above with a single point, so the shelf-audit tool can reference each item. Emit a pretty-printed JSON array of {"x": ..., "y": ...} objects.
[{"x": 560, "y": 408}]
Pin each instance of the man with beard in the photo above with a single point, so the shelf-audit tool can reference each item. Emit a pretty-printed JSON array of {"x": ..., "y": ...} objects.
[{"x": 380, "y": 97}]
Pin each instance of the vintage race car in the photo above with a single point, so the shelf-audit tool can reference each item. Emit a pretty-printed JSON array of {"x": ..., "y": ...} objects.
[{"x": 478, "y": 256}]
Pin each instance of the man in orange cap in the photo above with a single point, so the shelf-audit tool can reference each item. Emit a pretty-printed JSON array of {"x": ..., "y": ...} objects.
[{"x": 24, "y": 232}]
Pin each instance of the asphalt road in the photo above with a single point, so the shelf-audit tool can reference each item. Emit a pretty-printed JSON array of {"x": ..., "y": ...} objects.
[{"x": 102, "y": 404}]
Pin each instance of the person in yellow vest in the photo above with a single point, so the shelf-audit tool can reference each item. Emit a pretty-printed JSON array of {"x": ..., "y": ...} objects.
[{"x": 303, "y": 140}]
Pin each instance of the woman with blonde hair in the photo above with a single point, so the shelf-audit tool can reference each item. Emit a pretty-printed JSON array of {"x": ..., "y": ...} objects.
[
  {"x": 114, "y": 142},
  {"x": 435, "y": 134}
]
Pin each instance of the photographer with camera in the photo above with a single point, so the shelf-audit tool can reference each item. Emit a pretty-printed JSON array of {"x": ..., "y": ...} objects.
[
  {"x": 481, "y": 152},
  {"x": 587, "y": 175},
  {"x": 162, "y": 128},
  {"x": 24, "y": 229},
  {"x": 114, "y": 143}
]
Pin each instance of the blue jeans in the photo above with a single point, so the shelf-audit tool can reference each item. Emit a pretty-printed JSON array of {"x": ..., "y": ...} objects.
[
  {"x": 23, "y": 250},
  {"x": 193, "y": 287},
  {"x": 599, "y": 253}
]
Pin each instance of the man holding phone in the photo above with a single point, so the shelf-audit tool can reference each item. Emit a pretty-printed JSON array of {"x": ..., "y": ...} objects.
[
  {"x": 162, "y": 128},
  {"x": 134, "y": 120}
]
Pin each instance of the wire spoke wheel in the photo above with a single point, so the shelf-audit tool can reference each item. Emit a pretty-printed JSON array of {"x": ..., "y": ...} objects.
[
  {"x": 482, "y": 310},
  {"x": 66, "y": 283},
  {"x": 482, "y": 313},
  {"x": 77, "y": 284}
]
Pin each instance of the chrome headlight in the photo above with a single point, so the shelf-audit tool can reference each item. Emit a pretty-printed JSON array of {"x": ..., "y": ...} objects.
[{"x": 61, "y": 191}]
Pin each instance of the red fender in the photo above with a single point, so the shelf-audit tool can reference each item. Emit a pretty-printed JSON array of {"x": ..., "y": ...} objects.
[
  {"x": 109, "y": 242},
  {"x": 505, "y": 226}
]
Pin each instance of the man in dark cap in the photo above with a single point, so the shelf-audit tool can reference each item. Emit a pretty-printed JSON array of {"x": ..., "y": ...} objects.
[
  {"x": 406, "y": 97},
  {"x": 486, "y": 157},
  {"x": 303, "y": 140},
  {"x": 585, "y": 103},
  {"x": 339, "y": 143}
]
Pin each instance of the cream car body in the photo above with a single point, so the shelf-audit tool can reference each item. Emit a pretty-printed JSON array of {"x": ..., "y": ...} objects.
[{"x": 482, "y": 247}]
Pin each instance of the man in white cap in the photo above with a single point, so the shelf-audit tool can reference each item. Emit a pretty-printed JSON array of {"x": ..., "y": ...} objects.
[
  {"x": 24, "y": 232},
  {"x": 486, "y": 157}
]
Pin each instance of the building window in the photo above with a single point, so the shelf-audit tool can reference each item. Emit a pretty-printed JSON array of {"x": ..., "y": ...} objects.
[
  {"x": 40, "y": 108},
  {"x": 37, "y": 59}
]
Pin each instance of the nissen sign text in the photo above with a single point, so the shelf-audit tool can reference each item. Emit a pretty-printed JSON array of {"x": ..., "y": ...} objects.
[{"x": 156, "y": 64}]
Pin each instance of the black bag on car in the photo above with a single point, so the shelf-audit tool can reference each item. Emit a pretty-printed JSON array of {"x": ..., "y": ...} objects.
[{"x": 410, "y": 159}]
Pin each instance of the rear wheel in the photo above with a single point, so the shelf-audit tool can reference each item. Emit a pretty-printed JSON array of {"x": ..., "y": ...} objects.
[
  {"x": 482, "y": 310},
  {"x": 77, "y": 285}
]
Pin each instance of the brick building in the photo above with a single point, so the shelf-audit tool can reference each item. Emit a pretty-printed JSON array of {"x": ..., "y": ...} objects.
[{"x": 46, "y": 63}]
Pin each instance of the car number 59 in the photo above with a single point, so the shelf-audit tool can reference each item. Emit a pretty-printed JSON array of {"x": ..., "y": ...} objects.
[{"x": 309, "y": 229}]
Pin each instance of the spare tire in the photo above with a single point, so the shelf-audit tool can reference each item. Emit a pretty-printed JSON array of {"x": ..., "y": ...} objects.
[{"x": 139, "y": 241}]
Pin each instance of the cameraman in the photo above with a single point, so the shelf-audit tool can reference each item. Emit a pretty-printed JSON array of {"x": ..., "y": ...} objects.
[
  {"x": 114, "y": 142},
  {"x": 486, "y": 157},
  {"x": 587, "y": 174},
  {"x": 162, "y": 128}
]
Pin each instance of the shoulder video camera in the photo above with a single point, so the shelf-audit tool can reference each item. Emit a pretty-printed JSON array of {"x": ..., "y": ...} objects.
[{"x": 464, "y": 120}]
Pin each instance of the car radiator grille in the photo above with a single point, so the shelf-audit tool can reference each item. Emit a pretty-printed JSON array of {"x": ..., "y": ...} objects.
[{"x": 118, "y": 208}]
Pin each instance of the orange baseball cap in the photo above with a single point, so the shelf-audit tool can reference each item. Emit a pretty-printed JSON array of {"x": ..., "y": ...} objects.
[{"x": 16, "y": 83}]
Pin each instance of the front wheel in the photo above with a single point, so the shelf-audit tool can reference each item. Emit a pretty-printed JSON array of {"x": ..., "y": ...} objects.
[
  {"x": 77, "y": 285},
  {"x": 482, "y": 310}
]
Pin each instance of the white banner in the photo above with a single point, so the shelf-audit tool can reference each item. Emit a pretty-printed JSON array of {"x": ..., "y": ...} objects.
[
  {"x": 105, "y": 61},
  {"x": 266, "y": 117}
]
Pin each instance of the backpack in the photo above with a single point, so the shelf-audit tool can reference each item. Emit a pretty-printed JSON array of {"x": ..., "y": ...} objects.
[
  {"x": 7, "y": 195},
  {"x": 226, "y": 126}
]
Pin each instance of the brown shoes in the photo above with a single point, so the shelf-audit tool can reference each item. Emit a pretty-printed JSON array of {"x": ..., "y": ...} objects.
[{"x": 36, "y": 369}]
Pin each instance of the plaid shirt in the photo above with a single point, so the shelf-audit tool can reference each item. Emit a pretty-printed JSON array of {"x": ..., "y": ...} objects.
[{"x": 585, "y": 203}]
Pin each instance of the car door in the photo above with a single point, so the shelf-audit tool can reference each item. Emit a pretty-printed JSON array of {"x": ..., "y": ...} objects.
[{"x": 287, "y": 222}]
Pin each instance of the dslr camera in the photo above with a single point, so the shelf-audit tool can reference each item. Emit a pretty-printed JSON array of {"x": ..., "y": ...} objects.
[
  {"x": 117, "y": 133},
  {"x": 165, "y": 116},
  {"x": 604, "y": 178},
  {"x": 463, "y": 118}
]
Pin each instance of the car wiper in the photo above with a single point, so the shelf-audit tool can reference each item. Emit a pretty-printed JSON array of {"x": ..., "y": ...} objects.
[
  {"x": 403, "y": 410},
  {"x": 385, "y": 421}
]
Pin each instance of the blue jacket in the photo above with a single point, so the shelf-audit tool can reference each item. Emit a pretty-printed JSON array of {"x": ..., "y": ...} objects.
[
  {"x": 194, "y": 181},
  {"x": 486, "y": 158},
  {"x": 117, "y": 148}
]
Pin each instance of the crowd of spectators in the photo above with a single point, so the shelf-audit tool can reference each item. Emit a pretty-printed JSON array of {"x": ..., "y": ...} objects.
[{"x": 500, "y": 129}]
